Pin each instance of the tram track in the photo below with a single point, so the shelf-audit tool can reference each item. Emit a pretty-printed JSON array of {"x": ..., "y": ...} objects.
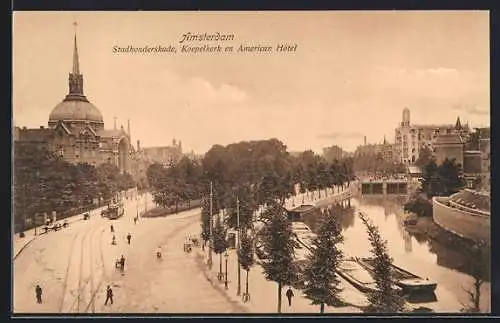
[
  {"x": 65, "y": 283},
  {"x": 80, "y": 287},
  {"x": 80, "y": 303},
  {"x": 104, "y": 276}
]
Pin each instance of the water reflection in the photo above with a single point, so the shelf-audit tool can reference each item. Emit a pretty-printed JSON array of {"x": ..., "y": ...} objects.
[
  {"x": 413, "y": 252},
  {"x": 387, "y": 213},
  {"x": 344, "y": 212},
  {"x": 445, "y": 256}
]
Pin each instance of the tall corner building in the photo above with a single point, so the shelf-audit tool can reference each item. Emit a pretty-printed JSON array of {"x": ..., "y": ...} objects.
[
  {"x": 76, "y": 129},
  {"x": 411, "y": 138}
]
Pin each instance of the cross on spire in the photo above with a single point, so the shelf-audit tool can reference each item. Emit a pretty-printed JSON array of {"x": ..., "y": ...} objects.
[{"x": 76, "y": 63}]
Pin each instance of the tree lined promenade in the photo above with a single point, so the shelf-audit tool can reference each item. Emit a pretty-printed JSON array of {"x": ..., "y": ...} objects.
[
  {"x": 247, "y": 176},
  {"x": 44, "y": 182}
]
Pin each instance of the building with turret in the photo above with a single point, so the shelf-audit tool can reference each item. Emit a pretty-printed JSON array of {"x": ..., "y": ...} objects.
[
  {"x": 411, "y": 138},
  {"x": 75, "y": 129}
]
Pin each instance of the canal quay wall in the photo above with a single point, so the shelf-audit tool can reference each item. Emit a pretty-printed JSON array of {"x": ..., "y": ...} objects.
[
  {"x": 387, "y": 187},
  {"x": 460, "y": 222},
  {"x": 339, "y": 197}
]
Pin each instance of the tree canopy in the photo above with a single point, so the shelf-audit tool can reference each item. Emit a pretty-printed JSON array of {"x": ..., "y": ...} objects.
[
  {"x": 320, "y": 274},
  {"x": 43, "y": 182}
]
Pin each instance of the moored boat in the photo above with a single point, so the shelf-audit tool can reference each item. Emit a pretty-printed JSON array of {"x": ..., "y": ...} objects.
[
  {"x": 409, "y": 282},
  {"x": 352, "y": 271}
]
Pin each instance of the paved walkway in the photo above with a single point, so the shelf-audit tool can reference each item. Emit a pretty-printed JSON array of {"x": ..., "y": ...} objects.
[
  {"x": 264, "y": 293},
  {"x": 19, "y": 244}
]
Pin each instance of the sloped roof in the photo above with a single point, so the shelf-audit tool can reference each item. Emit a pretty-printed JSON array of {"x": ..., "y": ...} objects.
[
  {"x": 110, "y": 133},
  {"x": 35, "y": 135},
  {"x": 449, "y": 139}
]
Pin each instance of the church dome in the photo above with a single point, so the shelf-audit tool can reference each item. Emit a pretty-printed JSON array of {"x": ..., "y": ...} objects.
[
  {"x": 75, "y": 110},
  {"x": 75, "y": 107}
]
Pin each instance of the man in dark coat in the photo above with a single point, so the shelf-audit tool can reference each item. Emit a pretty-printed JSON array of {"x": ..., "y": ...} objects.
[
  {"x": 38, "y": 291},
  {"x": 128, "y": 238},
  {"x": 122, "y": 263},
  {"x": 289, "y": 295},
  {"x": 109, "y": 295}
]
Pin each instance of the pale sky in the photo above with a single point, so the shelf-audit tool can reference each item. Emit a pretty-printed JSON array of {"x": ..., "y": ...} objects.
[{"x": 352, "y": 74}]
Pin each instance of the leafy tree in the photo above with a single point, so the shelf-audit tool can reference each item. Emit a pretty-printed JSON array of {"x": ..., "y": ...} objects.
[
  {"x": 386, "y": 298},
  {"x": 246, "y": 254},
  {"x": 322, "y": 282},
  {"x": 419, "y": 204},
  {"x": 278, "y": 246},
  {"x": 450, "y": 175},
  {"x": 246, "y": 208},
  {"x": 205, "y": 221},
  {"x": 425, "y": 156},
  {"x": 220, "y": 240},
  {"x": 44, "y": 183}
]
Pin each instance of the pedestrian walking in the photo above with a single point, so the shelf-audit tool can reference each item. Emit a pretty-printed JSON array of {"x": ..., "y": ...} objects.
[
  {"x": 113, "y": 241},
  {"x": 289, "y": 295},
  {"x": 38, "y": 292},
  {"x": 112, "y": 229},
  {"x": 122, "y": 263},
  {"x": 109, "y": 295},
  {"x": 158, "y": 252},
  {"x": 135, "y": 220},
  {"x": 128, "y": 238}
]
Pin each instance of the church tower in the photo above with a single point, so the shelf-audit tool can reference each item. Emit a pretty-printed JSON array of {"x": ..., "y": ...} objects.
[
  {"x": 75, "y": 79},
  {"x": 406, "y": 118},
  {"x": 75, "y": 109}
]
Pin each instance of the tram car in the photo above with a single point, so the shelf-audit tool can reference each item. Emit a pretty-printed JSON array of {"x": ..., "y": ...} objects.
[{"x": 115, "y": 211}]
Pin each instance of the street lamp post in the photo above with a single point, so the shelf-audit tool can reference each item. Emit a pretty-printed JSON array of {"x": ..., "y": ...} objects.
[
  {"x": 137, "y": 205},
  {"x": 210, "y": 240},
  {"x": 39, "y": 186},
  {"x": 226, "y": 255},
  {"x": 238, "y": 292}
]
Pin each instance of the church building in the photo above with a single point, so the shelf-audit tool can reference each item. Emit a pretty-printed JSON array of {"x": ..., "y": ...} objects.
[{"x": 76, "y": 130}]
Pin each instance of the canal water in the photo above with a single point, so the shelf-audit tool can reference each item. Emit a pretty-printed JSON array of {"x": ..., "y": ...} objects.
[{"x": 418, "y": 254}]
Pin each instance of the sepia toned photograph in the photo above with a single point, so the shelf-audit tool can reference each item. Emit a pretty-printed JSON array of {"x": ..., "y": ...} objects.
[{"x": 290, "y": 162}]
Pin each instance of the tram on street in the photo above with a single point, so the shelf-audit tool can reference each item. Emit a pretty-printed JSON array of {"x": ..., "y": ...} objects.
[{"x": 115, "y": 210}]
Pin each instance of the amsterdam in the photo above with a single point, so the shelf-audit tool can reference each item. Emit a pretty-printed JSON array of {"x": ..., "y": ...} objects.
[
  {"x": 206, "y": 37},
  {"x": 351, "y": 177}
]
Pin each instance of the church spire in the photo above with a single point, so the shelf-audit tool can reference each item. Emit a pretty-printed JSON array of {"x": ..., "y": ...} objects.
[
  {"x": 458, "y": 124},
  {"x": 76, "y": 63},
  {"x": 75, "y": 79}
]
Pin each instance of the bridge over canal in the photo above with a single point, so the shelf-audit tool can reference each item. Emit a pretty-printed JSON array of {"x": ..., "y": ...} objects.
[{"x": 384, "y": 187}]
